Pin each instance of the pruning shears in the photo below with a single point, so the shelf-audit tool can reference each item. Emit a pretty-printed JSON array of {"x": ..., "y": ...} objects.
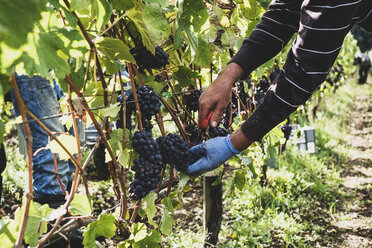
[{"x": 205, "y": 122}]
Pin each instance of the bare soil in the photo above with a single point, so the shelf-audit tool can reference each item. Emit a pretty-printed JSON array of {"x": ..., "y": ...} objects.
[{"x": 352, "y": 225}]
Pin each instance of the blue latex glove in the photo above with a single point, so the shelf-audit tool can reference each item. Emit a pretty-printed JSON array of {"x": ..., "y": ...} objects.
[{"x": 214, "y": 152}]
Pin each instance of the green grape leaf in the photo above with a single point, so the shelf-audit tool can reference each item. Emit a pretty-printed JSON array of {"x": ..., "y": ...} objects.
[
  {"x": 109, "y": 65},
  {"x": 81, "y": 205},
  {"x": 252, "y": 10},
  {"x": 204, "y": 55},
  {"x": 80, "y": 4},
  {"x": 124, "y": 157},
  {"x": 239, "y": 179},
  {"x": 139, "y": 231},
  {"x": 184, "y": 76},
  {"x": 115, "y": 139},
  {"x": 166, "y": 223},
  {"x": 157, "y": 24},
  {"x": 10, "y": 233},
  {"x": 167, "y": 220},
  {"x": 150, "y": 208},
  {"x": 152, "y": 239},
  {"x": 71, "y": 19},
  {"x": 77, "y": 75},
  {"x": 48, "y": 52},
  {"x": 194, "y": 13},
  {"x": 2, "y": 131},
  {"x": 114, "y": 49},
  {"x": 6, "y": 237},
  {"x": 158, "y": 87},
  {"x": 162, "y": 3},
  {"x": 103, "y": 10},
  {"x": 17, "y": 20},
  {"x": 36, "y": 222},
  {"x": 122, "y": 4},
  {"x": 68, "y": 141},
  {"x": 183, "y": 179},
  {"x": 136, "y": 15},
  {"x": 104, "y": 226},
  {"x": 112, "y": 110}
]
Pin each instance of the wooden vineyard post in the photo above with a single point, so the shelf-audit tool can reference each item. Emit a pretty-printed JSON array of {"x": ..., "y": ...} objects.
[{"x": 212, "y": 206}]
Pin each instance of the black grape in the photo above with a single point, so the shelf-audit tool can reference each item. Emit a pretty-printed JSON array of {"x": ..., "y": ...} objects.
[
  {"x": 217, "y": 132},
  {"x": 175, "y": 151},
  {"x": 172, "y": 148},
  {"x": 148, "y": 101},
  {"x": 147, "y": 60},
  {"x": 146, "y": 146},
  {"x": 287, "y": 129},
  {"x": 193, "y": 134},
  {"x": 192, "y": 101},
  {"x": 146, "y": 178}
]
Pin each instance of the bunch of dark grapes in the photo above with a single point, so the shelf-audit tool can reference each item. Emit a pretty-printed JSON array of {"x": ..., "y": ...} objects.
[
  {"x": 147, "y": 125},
  {"x": 147, "y": 167},
  {"x": 148, "y": 101},
  {"x": 192, "y": 101},
  {"x": 193, "y": 134},
  {"x": 286, "y": 129},
  {"x": 147, "y": 60},
  {"x": 174, "y": 150},
  {"x": 146, "y": 178},
  {"x": 188, "y": 159},
  {"x": 217, "y": 132},
  {"x": 146, "y": 146}
]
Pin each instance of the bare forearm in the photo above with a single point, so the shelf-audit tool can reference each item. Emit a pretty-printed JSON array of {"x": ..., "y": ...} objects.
[{"x": 239, "y": 141}]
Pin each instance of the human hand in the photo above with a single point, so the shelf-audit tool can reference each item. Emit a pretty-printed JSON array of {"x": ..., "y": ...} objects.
[
  {"x": 213, "y": 152},
  {"x": 218, "y": 95}
]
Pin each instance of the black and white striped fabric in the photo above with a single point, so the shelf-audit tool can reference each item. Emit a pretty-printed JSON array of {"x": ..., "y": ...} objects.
[{"x": 321, "y": 26}]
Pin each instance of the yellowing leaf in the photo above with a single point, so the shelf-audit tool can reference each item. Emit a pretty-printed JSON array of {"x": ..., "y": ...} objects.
[
  {"x": 112, "y": 110},
  {"x": 81, "y": 205},
  {"x": 68, "y": 141}
]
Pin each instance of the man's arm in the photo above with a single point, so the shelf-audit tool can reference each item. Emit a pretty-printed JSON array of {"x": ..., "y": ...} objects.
[
  {"x": 320, "y": 37},
  {"x": 276, "y": 28},
  {"x": 321, "y": 34}
]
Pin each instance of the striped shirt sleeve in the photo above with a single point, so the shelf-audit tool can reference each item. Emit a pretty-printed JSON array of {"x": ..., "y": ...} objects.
[{"x": 322, "y": 26}]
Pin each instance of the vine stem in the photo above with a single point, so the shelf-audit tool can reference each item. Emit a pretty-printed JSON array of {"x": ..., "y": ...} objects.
[
  {"x": 112, "y": 25},
  {"x": 100, "y": 132},
  {"x": 28, "y": 194},
  {"x": 135, "y": 212},
  {"x": 56, "y": 173},
  {"x": 175, "y": 119},
  {"x": 179, "y": 102},
  {"x": 123, "y": 141},
  {"x": 241, "y": 102},
  {"x": 138, "y": 111},
  {"x": 80, "y": 154}
]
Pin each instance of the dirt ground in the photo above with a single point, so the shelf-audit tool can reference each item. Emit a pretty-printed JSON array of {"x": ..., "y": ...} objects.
[{"x": 353, "y": 224}]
